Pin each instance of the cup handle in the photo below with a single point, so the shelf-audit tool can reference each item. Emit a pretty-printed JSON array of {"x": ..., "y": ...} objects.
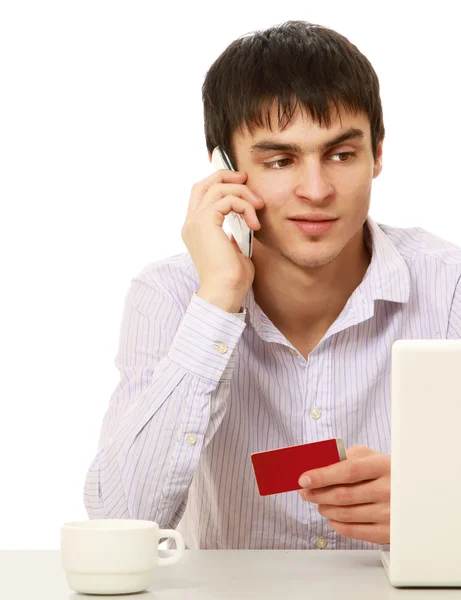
[{"x": 180, "y": 547}]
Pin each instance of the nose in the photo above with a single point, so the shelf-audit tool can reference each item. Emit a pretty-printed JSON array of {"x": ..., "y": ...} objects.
[{"x": 313, "y": 185}]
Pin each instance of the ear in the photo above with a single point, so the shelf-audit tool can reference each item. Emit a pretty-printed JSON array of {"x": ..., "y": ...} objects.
[
  {"x": 378, "y": 166},
  {"x": 209, "y": 156}
]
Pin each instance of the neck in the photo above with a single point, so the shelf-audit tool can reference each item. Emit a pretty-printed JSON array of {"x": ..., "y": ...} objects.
[{"x": 299, "y": 299}]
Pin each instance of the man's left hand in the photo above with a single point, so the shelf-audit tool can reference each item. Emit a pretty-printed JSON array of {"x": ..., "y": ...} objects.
[{"x": 354, "y": 494}]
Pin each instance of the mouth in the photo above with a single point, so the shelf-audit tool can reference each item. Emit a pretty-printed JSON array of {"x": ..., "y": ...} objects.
[{"x": 313, "y": 224}]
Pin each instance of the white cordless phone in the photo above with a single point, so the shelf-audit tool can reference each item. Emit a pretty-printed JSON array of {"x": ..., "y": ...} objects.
[{"x": 234, "y": 223}]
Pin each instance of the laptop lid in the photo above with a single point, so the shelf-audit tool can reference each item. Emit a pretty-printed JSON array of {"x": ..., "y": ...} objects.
[{"x": 425, "y": 534}]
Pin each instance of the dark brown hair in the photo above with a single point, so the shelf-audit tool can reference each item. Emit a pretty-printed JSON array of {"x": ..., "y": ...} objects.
[{"x": 296, "y": 64}]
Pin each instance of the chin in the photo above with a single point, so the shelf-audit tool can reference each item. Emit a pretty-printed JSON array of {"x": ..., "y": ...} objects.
[
  {"x": 312, "y": 254},
  {"x": 308, "y": 252},
  {"x": 310, "y": 260}
]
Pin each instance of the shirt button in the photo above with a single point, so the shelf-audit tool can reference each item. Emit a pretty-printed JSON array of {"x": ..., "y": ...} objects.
[
  {"x": 221, "y": 348},
  {"x": 191, "y": 439},
  {"x": 293, "y": 351},
  {"x": 321, "y": 543},
  {"x": 316, "y": 413}
]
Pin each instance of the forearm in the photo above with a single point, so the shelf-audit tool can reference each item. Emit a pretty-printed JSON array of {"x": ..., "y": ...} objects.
[
  {"x": 152, "y": 439},
  {"x": 145, "y": 470}
]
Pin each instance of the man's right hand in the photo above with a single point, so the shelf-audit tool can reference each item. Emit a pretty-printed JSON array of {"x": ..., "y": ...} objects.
[{"x": 225, "y": 273}]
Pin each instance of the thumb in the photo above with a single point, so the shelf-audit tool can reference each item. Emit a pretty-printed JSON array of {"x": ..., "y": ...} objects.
[{"x": 358, "y": 451}]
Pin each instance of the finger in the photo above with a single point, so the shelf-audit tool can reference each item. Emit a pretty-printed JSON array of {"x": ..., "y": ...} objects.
[
  {"x": 359, "y": 513},
  {"x": 200, "y": 188},
  {"x": 217, "y": 192},
  {"x": 235, "y": 204},
  {"x": 376, "y": 490},
  {"x": 348, "y": 471},
  {"x": 374, "y": 533},
  {"x": 205, "y": 193}
]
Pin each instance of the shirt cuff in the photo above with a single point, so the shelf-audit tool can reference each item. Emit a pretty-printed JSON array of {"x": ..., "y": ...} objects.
[{"x": 205, "y": 342}]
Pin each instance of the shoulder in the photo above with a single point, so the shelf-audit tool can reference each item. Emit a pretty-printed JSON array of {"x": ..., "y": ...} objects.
[
  {"x": 417, "y": 245},
  {"x": 178, "y": 270},
  {"x": 174, "y": 278}
]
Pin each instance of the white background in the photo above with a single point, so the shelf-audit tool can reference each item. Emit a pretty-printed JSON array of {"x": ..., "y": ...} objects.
[{"x": 101, "y": 140}]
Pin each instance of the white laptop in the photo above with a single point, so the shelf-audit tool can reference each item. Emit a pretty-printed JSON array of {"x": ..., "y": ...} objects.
[{"x": 425, "y": 538}]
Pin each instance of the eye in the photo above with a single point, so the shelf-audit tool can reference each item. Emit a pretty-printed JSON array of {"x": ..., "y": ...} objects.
[
  {"x": 280, "y": 160},
  {"x": 342, "y": 155},
  {"x": 348, "y": 155}
]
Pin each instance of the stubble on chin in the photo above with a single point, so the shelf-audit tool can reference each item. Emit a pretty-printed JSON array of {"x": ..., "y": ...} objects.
[
  {"x": 310, "y": 253},
  {"x": 312, "y": 259}
]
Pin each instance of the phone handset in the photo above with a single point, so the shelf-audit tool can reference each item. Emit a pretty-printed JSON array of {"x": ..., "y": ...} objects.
[{"x": 234, "y": 223}]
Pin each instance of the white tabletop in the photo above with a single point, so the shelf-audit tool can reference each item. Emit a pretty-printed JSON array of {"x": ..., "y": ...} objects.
[{"x": 226, "y": 575}]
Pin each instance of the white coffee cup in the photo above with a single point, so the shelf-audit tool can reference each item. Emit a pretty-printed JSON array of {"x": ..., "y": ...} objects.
[{"x": 114, "y": 556}]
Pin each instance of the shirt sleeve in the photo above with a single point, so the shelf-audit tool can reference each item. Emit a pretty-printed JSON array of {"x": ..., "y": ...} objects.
[
  {"x": 175, "y": 370},
  {"x": 454, "y": 319}
]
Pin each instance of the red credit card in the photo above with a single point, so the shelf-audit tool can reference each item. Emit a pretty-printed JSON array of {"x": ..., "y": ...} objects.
[{"x": 278, "y": 471}]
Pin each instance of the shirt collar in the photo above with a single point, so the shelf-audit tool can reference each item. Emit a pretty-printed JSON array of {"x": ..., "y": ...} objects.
[{"x": 387, "y": 278}]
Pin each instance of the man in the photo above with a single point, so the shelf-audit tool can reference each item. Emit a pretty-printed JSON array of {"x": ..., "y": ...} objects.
[{"x": 221, "y": 355}]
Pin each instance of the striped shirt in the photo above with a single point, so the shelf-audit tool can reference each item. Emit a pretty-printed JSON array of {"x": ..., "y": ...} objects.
[{"x": 201, "y": 389}]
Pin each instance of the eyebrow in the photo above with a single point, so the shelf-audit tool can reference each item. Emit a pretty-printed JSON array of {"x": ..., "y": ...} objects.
[{"x": 267, "y": 145}]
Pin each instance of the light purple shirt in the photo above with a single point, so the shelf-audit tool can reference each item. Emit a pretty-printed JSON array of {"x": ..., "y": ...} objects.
[{"x": 202, "y": 389}]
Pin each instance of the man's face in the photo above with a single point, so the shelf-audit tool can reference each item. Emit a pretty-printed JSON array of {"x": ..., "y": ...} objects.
[{"x": 334, "y": 182}]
